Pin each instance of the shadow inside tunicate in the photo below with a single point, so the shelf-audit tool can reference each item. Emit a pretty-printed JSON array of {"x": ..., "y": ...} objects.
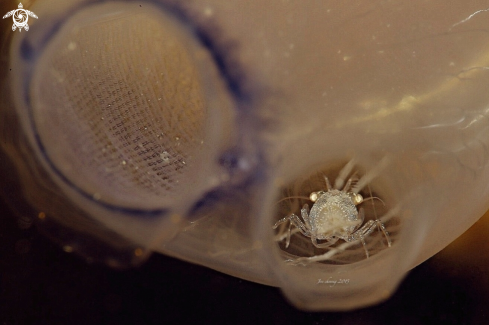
[{"x": 296, "y": 194}]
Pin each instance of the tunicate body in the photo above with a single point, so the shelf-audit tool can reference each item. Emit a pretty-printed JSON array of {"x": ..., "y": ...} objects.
[{"x": 170, "y": 127}]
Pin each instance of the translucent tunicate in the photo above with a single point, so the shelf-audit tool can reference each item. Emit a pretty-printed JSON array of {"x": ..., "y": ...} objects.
[{"x": 190, "y": 129}]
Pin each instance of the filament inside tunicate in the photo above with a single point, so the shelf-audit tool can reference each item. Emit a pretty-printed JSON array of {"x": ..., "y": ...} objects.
[{"x": 301, "y": 250}]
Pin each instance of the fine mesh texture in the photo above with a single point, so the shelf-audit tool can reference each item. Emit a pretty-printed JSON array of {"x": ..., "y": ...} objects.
[{"x": 119, "y": 109}]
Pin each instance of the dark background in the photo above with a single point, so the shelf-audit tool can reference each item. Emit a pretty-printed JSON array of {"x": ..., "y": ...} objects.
[{"x": 41, "y": 284}]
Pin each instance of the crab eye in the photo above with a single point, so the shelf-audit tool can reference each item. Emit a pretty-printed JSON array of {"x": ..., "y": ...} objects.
[
  {"x": 356, "y": 198},
  {"x": 313, "y": 196}
]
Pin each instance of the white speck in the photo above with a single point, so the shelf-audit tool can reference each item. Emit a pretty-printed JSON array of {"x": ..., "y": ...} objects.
[
  {"x": 452, "y": 64},
  {"x": 96, "y": 196},
  {"x": 123, "y": 162},
  {"x": 72, "y": 46},
  {"x": 208, "y": 12},
  {"x": 347, "y": 57},
  {"x": 165, "y": 156}
]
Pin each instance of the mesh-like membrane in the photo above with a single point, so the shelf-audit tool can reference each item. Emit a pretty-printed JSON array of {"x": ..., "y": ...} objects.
[{"x": 119, "y": 108}]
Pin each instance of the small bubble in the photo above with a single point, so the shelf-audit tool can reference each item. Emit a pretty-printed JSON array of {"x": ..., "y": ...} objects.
[
  {"x": 208, "y": 12},
  {"x": 25, "y": 222},
  {"x": 138, "y": 252},
  {"x": 123, "y": 162}
]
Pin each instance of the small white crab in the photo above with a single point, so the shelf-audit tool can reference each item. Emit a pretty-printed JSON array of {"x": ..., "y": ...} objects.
[{"x": 334, "y": 216}]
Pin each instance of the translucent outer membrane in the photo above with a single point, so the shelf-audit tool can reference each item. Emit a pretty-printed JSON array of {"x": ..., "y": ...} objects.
[{"x": 399, "y": 87}]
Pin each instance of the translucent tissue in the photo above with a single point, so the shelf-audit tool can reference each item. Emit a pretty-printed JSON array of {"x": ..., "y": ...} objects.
[{"x": 131, "y": 127}]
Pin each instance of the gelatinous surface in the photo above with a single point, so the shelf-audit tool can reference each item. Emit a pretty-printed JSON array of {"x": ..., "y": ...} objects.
[{"x": 279, "y": 91}]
